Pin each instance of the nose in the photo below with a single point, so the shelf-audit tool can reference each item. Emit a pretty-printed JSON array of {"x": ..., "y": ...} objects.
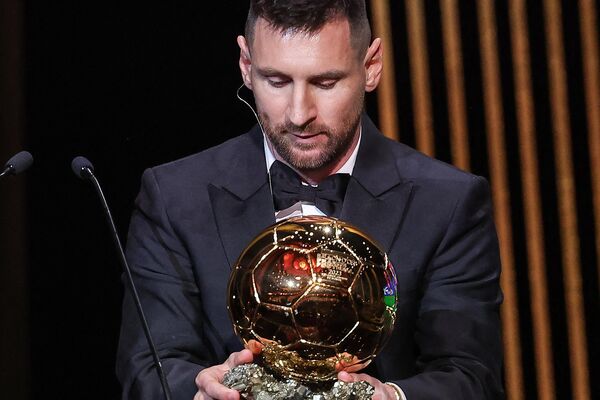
[{"x": 302, "y": 109}]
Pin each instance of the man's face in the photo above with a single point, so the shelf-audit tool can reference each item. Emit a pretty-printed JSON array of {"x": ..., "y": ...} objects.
[{"x": 309, "y": 92}]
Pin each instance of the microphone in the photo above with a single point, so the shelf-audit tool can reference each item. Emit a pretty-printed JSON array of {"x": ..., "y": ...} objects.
[
  {"x": 237, "y": 94},
  {"x": 17, "y": 163},
  {"x": 84, "y": 169}
]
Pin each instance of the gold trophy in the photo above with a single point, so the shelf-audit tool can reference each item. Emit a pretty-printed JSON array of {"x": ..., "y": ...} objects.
[{"x": 310, "y": 297}]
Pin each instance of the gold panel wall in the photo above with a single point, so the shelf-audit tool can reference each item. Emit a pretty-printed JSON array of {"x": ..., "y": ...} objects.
[{"x": 510, "y": 90}]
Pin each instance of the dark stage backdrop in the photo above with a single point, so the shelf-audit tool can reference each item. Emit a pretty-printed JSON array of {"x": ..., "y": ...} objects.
[
  {"x": 506, "y": 89},
  {"x": 128, "y": 85}
]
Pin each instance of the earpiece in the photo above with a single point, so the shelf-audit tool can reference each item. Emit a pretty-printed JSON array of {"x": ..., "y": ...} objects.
[{"x": 237, "y": 93}]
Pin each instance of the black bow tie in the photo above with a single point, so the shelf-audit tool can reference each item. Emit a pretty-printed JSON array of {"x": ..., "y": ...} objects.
[{"x": 288, "y": 190}]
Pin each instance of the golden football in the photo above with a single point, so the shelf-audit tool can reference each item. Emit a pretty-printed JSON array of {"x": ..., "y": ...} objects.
[{"x": 313, "y": 296}]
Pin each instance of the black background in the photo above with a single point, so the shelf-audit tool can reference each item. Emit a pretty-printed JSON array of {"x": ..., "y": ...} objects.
[{"x": 128, "y": 86}]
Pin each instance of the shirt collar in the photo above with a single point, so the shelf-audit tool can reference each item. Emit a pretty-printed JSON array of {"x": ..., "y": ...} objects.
[{"x": 347, "y": 168}]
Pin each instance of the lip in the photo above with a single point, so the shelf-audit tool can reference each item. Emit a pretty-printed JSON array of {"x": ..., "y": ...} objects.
[{"x": 306, "y": 135}]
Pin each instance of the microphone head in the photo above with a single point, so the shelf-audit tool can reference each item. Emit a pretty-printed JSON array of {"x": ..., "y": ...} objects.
[
  {"x": 19, "y": 162},
  {"x": 82, "y": 167}
]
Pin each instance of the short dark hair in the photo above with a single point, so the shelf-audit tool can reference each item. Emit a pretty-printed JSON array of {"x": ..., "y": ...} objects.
[{"x": 310, "y": 16}]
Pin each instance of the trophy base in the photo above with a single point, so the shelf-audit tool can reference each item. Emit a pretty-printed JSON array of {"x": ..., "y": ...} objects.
[{"x": 253, "y": 382}]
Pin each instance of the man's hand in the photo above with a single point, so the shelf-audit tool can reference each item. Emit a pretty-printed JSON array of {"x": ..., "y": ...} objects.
[
  {"x": 209, "y": 379},
  {"x": 382, "y": 391}
]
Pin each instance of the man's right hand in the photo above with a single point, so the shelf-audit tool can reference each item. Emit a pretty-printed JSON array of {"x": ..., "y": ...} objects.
[{"x": 209, "y": 379}]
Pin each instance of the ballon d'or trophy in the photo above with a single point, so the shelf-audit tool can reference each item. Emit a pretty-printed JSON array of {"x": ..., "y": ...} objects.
[{"x": 310, "y": 296}]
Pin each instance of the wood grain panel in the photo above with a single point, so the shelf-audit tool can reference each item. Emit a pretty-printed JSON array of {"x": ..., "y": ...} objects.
[
  {"x": 459, "y": 134},
  {"x": 386, "y": 92},
  {"x": 566, "y": 201},
  {"x": 419, "y": 67},
  {"x": 532, "y": 202},
  {"x": 494, "y": 115},
  {"x": 591, "y": 77}
]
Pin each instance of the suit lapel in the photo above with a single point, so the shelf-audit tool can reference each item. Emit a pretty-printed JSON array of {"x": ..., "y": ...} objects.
[
  {"x": 375, "y": 200},
  {"x": 377, "y": 194},
  {"x": 241, "y": 201}
]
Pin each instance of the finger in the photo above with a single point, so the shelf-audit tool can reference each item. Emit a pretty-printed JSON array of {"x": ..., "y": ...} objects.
[
  {"x": 201, "y": 396},
  {"x": 209, "y": 383},
  {"x": 254, "y": 346},
  {"x": 350, "y": 377},
  {"x": 242, "y": 357},
  {"x": 209, "y": 379},
  {"x": 345, "y": 376},
  {"x": 382, "y": 391},
  {"x": 218, "y": 391}
]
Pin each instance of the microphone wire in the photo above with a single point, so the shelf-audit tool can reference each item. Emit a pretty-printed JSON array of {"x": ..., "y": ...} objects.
[
  {"x": 86, "y": 172},
  {"x": 237, "y": 93}
]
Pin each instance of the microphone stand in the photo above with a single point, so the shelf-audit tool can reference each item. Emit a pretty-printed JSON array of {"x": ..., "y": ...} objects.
[{"x": 86, "y": 172}]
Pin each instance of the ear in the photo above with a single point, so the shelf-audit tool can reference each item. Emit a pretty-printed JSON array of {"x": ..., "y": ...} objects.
[
  {"x": 245, "y": 61},
  {"x": 373, "y": 65}
]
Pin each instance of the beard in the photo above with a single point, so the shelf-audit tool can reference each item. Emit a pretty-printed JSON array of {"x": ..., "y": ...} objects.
[{"x": 312, "y": 156}]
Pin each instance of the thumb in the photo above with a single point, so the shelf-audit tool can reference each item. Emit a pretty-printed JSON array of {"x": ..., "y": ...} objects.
[
  {"x": 243, "y": 357},
  {"x": 346, "y": 377}
]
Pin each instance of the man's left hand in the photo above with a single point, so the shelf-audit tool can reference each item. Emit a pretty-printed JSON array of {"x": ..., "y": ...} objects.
[{"x": 382, "y": 391}]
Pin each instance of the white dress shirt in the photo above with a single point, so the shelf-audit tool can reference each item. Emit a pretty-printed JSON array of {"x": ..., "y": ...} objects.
[{"x": 303, "y": 208}]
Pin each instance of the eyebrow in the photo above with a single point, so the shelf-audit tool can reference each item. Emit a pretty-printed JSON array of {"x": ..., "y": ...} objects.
[{"x": 333, "y": 74}]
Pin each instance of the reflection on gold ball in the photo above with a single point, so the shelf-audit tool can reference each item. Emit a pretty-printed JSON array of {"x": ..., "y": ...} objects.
[{"x": 313, "y": 296}]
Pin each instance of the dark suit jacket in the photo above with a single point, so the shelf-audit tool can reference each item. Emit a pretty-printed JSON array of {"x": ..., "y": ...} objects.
[{"x": 194, "y": 216}]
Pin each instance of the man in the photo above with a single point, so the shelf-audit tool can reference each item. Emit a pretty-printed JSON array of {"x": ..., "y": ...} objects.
[{"x": 309, "y": 65}]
